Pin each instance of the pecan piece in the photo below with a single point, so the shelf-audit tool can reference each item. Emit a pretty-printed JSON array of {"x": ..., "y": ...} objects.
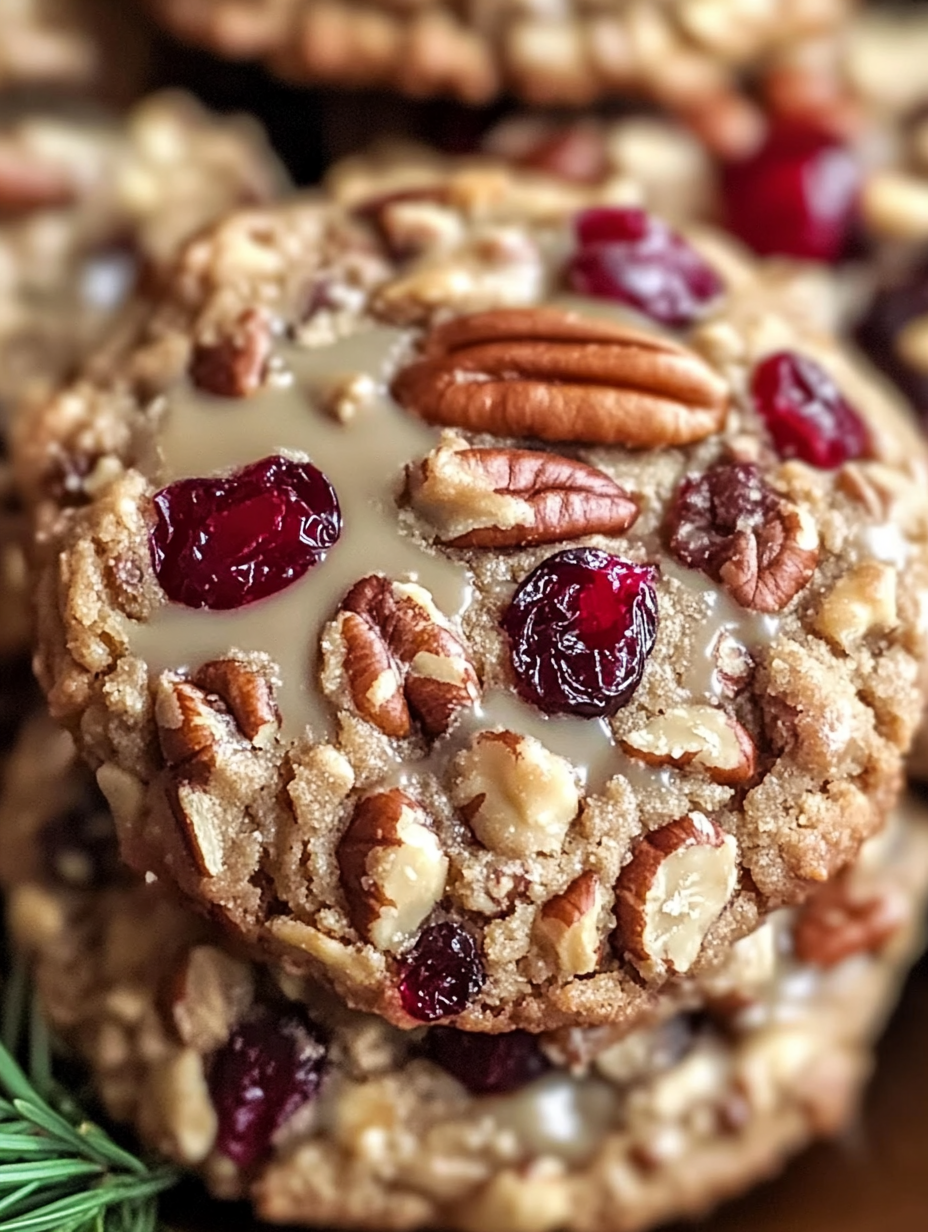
[
  {"x": 500, "y": 498},
  {"x": 703, "y": 736},
  {"x": 560, "y": 376},
  {"x": 730, "y": 524},
  {"x": 392, "y": 867},
  {"x": 234, "y": 366},
  {"x": 399, "y": 657},
  {"x": 206, "y": 725},
  {"x": 836, "y": 923},
  {"x": 676, "y": 885}
]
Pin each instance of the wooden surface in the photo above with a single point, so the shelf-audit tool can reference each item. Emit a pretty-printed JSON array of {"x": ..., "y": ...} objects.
[{"x": 875, "y": 1179}]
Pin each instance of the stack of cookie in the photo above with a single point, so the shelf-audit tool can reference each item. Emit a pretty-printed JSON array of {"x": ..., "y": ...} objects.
[{"x": 485, "y": 608}]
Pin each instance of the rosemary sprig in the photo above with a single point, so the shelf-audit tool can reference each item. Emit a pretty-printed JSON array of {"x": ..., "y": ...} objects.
[{"x": 60, "y": 1172}]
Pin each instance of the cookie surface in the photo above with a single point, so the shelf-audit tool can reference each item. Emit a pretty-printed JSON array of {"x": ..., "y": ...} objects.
[
  {"x": 536, "y": 714},
  {"x": 361, "y": 1124},
  {"x": 684, "y": 54}
]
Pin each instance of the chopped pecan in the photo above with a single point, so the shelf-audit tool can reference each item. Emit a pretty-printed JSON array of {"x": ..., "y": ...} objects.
[
  {"x": 234, "y": 366},
  {"x": 400, "y": 658},
  {"x": 496, "y": 498},
  {"x": 677, "y": 883},
  {"x": 392, "y": 867},
  {"x": 703, "y": 736},
  {"x": 730, "y": 524},
  {"x": 226, "y": 710},
  {"x": 560, "y": 376}
]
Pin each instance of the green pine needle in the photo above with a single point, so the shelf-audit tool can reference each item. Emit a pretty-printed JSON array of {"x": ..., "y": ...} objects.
[{"x": 59, "y": 1172}]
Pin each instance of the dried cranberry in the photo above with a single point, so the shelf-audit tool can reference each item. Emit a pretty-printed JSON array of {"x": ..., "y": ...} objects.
[
  {"x": 630, "y": 256},
  {"x": 79, "y": 847},
  {"x": 442, "y": 973},
  {"x": 268, "y": 1069},
  {"x": 228, "y": 540},
  {"x": 487, "y": 1064},
  {"x": 581, "y": 627},
  {"x": 889, "y": 312},
  {"x": 795, "y": 196},
  {"x": 805, "y": 412}
]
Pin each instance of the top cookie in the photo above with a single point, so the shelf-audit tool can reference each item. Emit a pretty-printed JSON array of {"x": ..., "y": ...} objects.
[
  {"x": 685, "y": 53},
  {"x": 485, "y": 601}
]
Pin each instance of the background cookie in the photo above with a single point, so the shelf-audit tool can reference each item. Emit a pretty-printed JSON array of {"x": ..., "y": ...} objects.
[
  {"x": 93, "y": 47},
  {"x": 357, "y": 775},
  {"x": 359, "y": 1123},
  {"x": 687, "y": 55}
]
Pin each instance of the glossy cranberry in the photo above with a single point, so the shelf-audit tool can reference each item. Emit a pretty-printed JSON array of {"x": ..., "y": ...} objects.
[
  {"x": 270, "y": 1067},
  {"x": 581, "y": 627},
  {"x": 487, "y": 1064},
  {"x": 630, "y": 256},
  {"x": 806, "y": 414},
  {"x": 442, "y": 973},
  {"x": 225, "y": 541},
  {"x": 796, "y": 196},
  {"x": 892, "y": 308}
]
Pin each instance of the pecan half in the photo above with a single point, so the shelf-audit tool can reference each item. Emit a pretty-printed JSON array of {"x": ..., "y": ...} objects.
[
  {"x": 500, "y": 498},
  {"x": 730, "y": 524},
  {"x": 560, "y": 376},
  {"x": 836, "y": 923},
  {"x": 399, "y": 658},
  {"x": 234, "y": 366}
]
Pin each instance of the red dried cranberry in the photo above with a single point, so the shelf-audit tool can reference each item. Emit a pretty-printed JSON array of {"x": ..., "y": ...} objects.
[
  {"x": 228, "y": 540},
  {"x": 805, "y": 412},
  {"x": 581, "y": 627},
  {"x": 796, "y": 196},
  {"x": 630, "y": 256},
  {"x": 889, "y": 312},
  {"x": 442, "y": 973},
  {"x": 269, "y": 1068},
  {"x": 487, "y": 1064}
]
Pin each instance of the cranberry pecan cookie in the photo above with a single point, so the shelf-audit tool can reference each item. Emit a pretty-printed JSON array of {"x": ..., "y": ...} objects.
[
  {"x": 484, "y": 598},
  {"x": 272, "y": 1090},
  {"x": 687, "y": 54}
]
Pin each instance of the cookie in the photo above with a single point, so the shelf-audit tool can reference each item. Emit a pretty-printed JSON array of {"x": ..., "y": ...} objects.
[
  {"x": 92, "y": 47},
  {"x": 688, "y": 55},
  {"x": 354, "y": 1123},
  {"x": 591, "y": 632}
]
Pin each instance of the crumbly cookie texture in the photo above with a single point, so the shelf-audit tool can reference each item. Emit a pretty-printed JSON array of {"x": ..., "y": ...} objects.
[
  {"x": 352, "y": 1122},
  {"x": 685, "y": 53},
  {"x": 348, "y": 772}
]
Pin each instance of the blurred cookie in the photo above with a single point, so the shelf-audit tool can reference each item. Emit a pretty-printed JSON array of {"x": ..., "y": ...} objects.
[
  {"x": 687, "y": 54},
  {"x": 94, "y": 47}
]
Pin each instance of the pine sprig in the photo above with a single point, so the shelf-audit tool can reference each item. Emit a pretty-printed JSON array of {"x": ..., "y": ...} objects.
[{"x": 60, "y": 1172}]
